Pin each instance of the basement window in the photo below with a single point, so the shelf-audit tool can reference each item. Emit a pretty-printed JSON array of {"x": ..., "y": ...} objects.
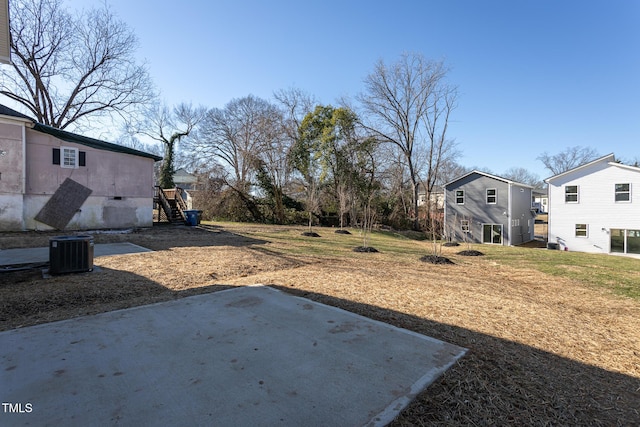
[{"x": 582, "y": 230}]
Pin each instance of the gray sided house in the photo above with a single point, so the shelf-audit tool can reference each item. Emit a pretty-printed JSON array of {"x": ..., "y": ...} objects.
[{"x": 484, "y": 208}]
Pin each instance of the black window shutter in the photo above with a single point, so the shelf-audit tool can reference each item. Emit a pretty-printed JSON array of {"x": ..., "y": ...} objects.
[
  {"x": 56, "y": 156},
  {"x": 82, "y": 158}
]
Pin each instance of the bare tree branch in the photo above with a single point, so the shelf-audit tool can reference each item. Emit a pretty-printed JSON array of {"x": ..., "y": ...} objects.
[
  {"x": 68, "y": 68},
  {"x": 408, "y": 104},
  {"x": 570, "y": 158}
]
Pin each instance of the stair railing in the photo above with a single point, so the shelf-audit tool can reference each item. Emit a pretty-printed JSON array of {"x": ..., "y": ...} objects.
[
  {"x": 181, "y": 204},
  {"x": 164, "y": 202}
]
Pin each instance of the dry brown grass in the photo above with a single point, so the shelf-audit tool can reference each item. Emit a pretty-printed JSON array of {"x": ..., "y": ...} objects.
[{"x": 543, "y": 350}]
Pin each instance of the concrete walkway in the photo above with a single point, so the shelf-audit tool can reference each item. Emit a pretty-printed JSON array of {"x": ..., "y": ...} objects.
[
  {"x": 250, "y": 356},
  {"x": 41, "y": 255}
]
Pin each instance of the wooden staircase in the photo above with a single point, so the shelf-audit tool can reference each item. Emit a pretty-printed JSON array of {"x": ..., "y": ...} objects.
[{"x": 170, "y": 204}]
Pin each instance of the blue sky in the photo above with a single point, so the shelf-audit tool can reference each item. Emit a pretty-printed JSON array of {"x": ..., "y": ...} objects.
[{"x": 532, "y": 76}]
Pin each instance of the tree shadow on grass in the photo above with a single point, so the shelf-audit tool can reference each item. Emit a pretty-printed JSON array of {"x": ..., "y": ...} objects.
[{"x": 501, "y": 382}]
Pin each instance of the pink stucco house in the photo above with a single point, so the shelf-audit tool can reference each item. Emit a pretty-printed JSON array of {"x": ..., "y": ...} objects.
[{"x": 54, "y": 179}]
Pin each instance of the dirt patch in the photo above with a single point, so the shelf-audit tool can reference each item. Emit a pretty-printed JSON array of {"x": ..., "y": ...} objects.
[{"x": 542, "y": 350}]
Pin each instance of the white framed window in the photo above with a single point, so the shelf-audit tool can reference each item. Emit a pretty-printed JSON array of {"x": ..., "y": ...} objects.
[
  {"x": 623, "y": 192},
  {"x": 492, "y": 196},
  {"x": 571, "y": 194},
  {"x": 582, "y": 230},
  {"x": 460, "y": 197},
  {"x": 464, "y": 225},
  {"x": 69, "y": 157}
]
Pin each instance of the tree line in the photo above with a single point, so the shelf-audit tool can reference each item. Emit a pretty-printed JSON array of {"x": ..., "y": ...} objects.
[{"x": 288, "y": 159}]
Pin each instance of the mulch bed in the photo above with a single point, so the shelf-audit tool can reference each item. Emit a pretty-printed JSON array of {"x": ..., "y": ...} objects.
[
  {"x": 435, "y": 259},
  {"x": 368, "y": 249},
  {"x": 310, "y": 234},
  {"x": 450, "y": 244},
  {"x": 470, "y": 253},
  {"x": 342, "y": 232}
]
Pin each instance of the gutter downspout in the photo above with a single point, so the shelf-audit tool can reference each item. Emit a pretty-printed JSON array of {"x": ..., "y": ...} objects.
[
  {"x": 509, "y": 215},
  {"x": 24, "y": 160},
  {"x": 23, "y": 178}
]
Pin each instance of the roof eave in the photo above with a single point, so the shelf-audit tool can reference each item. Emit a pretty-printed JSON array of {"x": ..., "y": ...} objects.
[
  {"x": 91, "y": 142},
  {"x": 598, "y": 160}
]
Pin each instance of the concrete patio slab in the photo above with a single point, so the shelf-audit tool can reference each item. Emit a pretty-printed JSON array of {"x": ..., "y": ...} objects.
[
  {"x": 41, "y": 255},
  {"x": 251, "y": 356}
]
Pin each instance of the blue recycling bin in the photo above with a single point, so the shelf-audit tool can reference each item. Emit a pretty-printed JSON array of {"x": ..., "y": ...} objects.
[{"x": 192, "y": 217}]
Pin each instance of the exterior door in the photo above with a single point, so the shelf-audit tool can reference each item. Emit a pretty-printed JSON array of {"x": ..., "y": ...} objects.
[
  {"x": 625, "y": 241},
  {"x": 492, "y": 233}
]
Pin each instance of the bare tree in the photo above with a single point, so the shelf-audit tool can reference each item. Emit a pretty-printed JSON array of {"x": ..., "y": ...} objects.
[
  {"x": 273, "y": 160},
  {"x": 169, "y": 127},
  {"x": 409, "y": 104},
  {"x": 296, "y": 105},
  {"x": 366, "y": 186},
  {"x": 234, "y": 135},
  {"x": 523, "y": 176},
  {"x": 450, "y": 170},
  {"x": 293, "y": 105},
  {"x": 568, "y": 159},
  {"x": 66, "y": 69},
  {"x": 393, "y": 175}
]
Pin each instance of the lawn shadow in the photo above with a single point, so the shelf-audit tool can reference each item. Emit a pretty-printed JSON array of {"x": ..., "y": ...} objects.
[
  {"x": 27, "y": 299},
  {"x": 501, "y": 382},
  {"x": 157, "y": 238}
]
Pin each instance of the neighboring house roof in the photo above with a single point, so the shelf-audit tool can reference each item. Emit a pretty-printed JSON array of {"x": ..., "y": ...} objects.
[
  {"x": 184, "y": 176},
  {"x": 499, "y": 178},
  {"x": 6, "y": 111},
  {"x": 436, "y": 189},
  {"x": 75, "y": 138},
  {"x": 608, "y": 158}
]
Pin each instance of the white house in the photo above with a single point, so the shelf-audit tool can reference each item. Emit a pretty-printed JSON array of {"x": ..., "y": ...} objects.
[
  {"x": 540, "y": 200},
  {"x": 593, "y": 208}
]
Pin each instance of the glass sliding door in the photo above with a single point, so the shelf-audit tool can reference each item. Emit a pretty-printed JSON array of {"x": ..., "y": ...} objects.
[
  {"x": 617, "y": 240},
  {"x": 492, "y": 233},
  {"x": 633, "y": 241},
  {"x": 625, "y": 241}
]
